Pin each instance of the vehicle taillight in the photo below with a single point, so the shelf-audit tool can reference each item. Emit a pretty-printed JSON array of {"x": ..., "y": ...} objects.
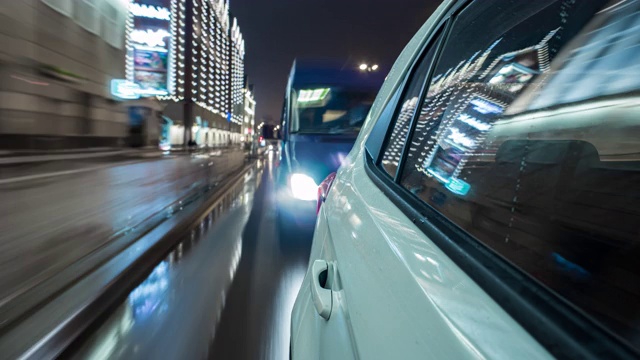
[{"x": 323, "y": 190}]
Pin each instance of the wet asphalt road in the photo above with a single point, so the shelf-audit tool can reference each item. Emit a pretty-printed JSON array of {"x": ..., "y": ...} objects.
[
  {"x": 53, "y": 214},
  {"x": 225, "y": 292}
]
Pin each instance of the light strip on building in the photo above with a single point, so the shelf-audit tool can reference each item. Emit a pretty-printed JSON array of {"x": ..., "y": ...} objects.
[
  {"x": 151, "y": 12},
  {"x": 469, "y": 120},
  {"x": 150, "y": 37}
]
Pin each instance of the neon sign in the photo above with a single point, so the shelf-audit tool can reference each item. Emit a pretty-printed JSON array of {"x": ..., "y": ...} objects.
[{"x": 151, "y": 12}]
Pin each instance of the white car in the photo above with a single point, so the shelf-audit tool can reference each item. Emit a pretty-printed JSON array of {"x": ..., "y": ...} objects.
[{"x": 489, "y": 208}]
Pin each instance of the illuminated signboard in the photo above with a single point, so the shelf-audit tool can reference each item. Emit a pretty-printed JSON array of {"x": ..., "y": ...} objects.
[
  {"x": 124, "y": 89},
  {"x": 485, "y": 107},
  {"x": 149, "y": 54}
]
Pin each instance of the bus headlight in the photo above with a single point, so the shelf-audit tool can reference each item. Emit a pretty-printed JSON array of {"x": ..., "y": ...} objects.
[{"x": 303, "y": 187}]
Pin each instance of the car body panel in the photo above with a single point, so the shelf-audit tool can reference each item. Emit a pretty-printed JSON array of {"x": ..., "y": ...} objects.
[{"x": 396, "y": 294}]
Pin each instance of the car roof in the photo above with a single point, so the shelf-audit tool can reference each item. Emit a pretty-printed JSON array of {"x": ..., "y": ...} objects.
[{"x": 320, "y": 72}]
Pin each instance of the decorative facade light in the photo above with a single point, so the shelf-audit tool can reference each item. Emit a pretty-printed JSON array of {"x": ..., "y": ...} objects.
[
  {"x": 149, "y": 11},
  {"x": 150, "y": 37}
]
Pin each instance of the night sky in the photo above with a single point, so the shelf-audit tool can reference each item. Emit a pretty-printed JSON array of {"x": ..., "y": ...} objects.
[{"x": 278, "y": 31}]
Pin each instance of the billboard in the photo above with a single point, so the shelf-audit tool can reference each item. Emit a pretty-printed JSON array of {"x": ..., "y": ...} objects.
[
  {"x": 150, "y": 70},
  {"x": 150, "y": 41}
]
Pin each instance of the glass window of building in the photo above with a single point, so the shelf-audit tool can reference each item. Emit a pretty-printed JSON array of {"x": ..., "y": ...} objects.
[{"x": 528, "y": 140}]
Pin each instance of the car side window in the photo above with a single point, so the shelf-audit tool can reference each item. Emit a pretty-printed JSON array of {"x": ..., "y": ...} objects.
[
  {"x": 528, "y": 140},
  {"x": 404, "y": 114}
]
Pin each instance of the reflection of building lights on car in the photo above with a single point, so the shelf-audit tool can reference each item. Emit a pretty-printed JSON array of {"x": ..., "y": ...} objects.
[
  {"x": 437, "y": 175},
  {"x": 461, "y": 139},
  {"x": 303, "y": 187},
  {"x": 485, "y": 107},
  {"x": 471, "y": 121},
  {"x": 458, "y": 187}
]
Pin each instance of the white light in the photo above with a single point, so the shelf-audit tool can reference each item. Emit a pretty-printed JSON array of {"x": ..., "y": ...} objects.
[
  {"x": 149, "y": 37},
  {"x": 148, "y": 48},
  {"x": 459, "y": 138},
  {"x": 149, "y": 11},
  {"x": 364, "y": 67},
  {"x": 303, "y": 187},
  {"x": 482, "y": 126},
  {"x": 374, "y": 67}
]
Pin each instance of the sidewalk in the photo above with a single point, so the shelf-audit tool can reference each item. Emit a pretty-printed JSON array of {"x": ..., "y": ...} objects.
[{"x": 28, "y": 156}]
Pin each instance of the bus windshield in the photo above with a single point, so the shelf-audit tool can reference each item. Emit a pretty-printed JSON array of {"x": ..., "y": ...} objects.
[{"x": 329, "y": 110}]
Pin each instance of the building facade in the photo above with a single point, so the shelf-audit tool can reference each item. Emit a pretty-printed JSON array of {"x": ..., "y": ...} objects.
[
  {"x": 249, "y": 121},
  {"x": 190, "y": 55},
  {"x": 56, "y": 62}
]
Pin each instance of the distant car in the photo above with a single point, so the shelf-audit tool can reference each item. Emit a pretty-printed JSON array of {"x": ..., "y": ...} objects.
[
  {"x": 489, "y": 208},
  {"x": 326, "y": 103}
]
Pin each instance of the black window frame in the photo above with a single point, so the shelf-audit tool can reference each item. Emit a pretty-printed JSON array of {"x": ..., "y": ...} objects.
[{"x": 561, "y": 328}]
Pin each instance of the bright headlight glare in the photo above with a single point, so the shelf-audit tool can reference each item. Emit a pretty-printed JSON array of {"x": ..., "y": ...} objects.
[{"x": 303, "y": 187}]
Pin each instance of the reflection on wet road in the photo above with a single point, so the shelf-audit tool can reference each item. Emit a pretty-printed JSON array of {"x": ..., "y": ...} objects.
[{"x": 225, "y": 292}]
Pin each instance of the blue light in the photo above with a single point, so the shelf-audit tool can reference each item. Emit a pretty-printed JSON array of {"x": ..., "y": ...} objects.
[
  {"x": 228, "y": 117},
  {"x": 124, "y": 89},
  {"x": 458, "y": 187},
  {"x": 570, "y": 268}
]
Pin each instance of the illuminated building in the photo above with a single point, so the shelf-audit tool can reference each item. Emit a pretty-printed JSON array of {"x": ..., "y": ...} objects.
[
  {"x": 249, "y": 121},
  {"x": 190, "y": 54}
]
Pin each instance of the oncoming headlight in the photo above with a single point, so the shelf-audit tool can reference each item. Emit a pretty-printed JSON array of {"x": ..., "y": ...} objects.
[{"x": 303, "y": 187}]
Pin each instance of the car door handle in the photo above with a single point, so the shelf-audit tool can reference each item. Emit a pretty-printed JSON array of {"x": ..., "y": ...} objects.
[{"x": 322, "y": 297}]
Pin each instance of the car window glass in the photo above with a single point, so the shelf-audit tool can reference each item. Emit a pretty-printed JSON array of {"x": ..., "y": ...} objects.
[
  {"x": 527, "y": 140},
  {"x": 394, "y": 146}
]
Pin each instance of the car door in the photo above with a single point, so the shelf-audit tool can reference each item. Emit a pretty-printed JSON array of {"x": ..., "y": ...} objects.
[
  {"x": 408, "y": 275},
  {"x": 392, "y": 293}
]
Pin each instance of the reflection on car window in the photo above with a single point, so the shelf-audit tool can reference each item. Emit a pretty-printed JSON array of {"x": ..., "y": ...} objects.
[
  {"x": 395, "y": 144},
  {"x": 330, "y": 110},
  {"x": 528, "y": 140}
]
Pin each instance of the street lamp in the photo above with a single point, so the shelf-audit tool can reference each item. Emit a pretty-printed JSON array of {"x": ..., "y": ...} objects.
[{"x": 365, "y": 67}]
